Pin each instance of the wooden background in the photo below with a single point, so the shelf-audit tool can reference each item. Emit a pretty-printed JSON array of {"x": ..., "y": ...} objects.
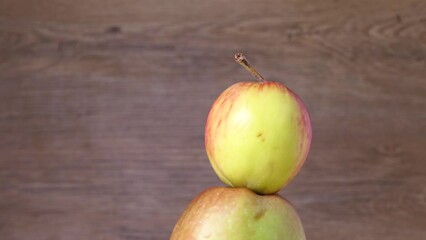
[{"x": 103, "y": 106}]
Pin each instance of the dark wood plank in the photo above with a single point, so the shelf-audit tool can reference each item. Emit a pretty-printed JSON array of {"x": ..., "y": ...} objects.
[{"x": 103, "y": 105}]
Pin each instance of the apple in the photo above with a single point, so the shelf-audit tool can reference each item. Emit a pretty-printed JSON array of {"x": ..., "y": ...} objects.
[
  {"x": 238, "y": 214},
  {"x": 257, "y": 134}
]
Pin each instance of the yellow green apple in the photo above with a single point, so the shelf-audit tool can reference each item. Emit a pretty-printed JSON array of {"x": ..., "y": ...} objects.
[
  {"x": 238, "y": 214},
  {"x": 257, "y": 134}
]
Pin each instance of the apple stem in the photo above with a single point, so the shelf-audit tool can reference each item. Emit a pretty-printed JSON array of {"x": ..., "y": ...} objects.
[{"x": 239, "y": 57}]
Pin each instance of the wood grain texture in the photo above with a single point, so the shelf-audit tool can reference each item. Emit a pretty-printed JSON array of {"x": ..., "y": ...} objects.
[{"x": 103, "y": 105}]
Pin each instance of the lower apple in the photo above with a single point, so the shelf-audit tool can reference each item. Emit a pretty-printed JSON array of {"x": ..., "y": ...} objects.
[{"x": 238, "y": 214}]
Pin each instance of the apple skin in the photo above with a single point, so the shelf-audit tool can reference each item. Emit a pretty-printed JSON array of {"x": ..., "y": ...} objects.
[
  {"x": 238, "y": 214},
  {"x": 258, "y": 135}
]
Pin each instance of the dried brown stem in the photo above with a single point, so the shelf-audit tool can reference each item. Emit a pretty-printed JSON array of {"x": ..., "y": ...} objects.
[{"x": 239, "y": 57}]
